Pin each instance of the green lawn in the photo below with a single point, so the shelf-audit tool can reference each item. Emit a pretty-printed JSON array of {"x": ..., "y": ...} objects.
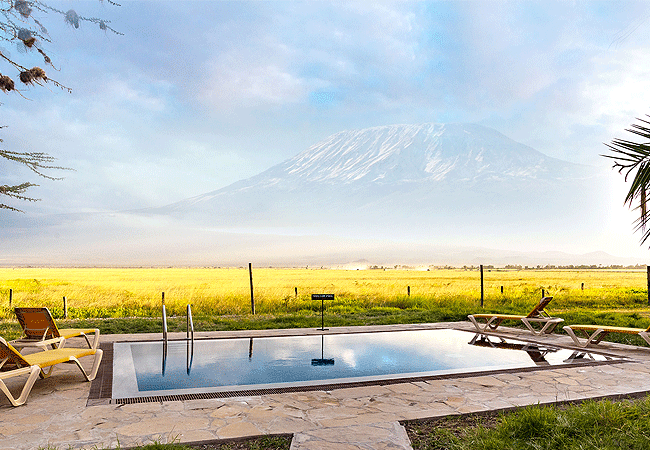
[{"x": 592, "y": 425}]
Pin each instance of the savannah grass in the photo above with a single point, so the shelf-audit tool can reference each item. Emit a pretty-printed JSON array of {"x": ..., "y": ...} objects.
[{"x": 128, "y": 300}]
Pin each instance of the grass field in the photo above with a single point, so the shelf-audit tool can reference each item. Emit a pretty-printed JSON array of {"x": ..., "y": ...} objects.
[
  {"x": 594, "y": 425},
  {"x": 221, "y": 297}
]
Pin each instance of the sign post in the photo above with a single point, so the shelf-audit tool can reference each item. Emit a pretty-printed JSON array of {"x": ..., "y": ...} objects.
[
  {"x": 648, "y": 270},
  {"x": 482, "y": 292},
  {"x": 322, "y": 298},
  {"x": 322, "y": 361}
]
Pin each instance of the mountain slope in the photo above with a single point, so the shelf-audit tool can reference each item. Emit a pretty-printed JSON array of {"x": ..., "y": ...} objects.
[
  {"x": 406, "y": 154},
  {"x": 418, "y": 180}
]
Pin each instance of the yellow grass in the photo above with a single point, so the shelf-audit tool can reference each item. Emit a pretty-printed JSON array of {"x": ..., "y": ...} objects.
[{"x": 111, "y": 292}]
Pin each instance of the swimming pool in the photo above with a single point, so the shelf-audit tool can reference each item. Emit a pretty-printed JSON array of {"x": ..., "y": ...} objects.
[{"x": 144, "y": 369}]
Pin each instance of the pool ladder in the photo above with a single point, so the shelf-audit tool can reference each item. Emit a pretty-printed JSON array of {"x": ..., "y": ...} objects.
[
  {"x": 189, "y": 339},
  {"x": 190, "y": 324}
]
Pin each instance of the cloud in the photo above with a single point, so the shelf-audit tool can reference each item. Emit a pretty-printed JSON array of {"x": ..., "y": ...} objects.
[
  {"x": 237, "y": 80},
  {"x": 198, "y": 94}
]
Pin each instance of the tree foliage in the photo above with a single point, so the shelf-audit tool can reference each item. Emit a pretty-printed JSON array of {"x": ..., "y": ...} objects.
[
  {"x": 22, "y": 26},
  {"x": 633, "y": 160}
]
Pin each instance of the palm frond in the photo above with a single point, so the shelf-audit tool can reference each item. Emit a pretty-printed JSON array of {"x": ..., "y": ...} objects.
[{"x": 633, "y": 159}]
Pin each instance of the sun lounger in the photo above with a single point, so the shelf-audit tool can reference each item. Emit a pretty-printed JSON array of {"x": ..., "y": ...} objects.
[
  {"x": 40, "y": 330},
  {"x": 537, "y": 315},
  {"x": 13, "y": 364},
  {"x": 598, "y": 332}
]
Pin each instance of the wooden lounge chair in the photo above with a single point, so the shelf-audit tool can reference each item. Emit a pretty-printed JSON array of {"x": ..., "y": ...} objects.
[
  {"x": 13, "y": 364},
  {"x": 40, "y": 330},
  {"x": 598, "y": 332},
  {"x": 537, "y": 315}
]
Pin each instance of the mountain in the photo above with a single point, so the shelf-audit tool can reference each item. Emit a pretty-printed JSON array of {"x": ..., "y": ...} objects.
[
  {"x": 400, "y": 194},
  {"x": 414, "y": 180}
]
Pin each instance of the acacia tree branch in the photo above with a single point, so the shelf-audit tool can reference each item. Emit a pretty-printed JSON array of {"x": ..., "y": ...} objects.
[
  {"x": 36, "y": 161},
  {"x": 16, "y": 192},
  {"x": 19, "y": 26}
]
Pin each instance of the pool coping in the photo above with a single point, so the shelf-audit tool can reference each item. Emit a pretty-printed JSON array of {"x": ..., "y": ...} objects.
[
  {"x": 355, "y": 418},
  {"x": 101, "y": 388}
]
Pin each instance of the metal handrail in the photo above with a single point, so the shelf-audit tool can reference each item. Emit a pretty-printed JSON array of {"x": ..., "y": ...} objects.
[
  {"x": 190, "y": 323},
  {"x": 164, "y": 330},
  {"x": 190, "y": 344}
]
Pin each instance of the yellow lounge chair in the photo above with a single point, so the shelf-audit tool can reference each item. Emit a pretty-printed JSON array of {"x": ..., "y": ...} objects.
[
  {"x": 492, "y": 321},
  {"x": 600, "y": 331},
  {"x": 13, "y": 364},
  {"x": 40, "y": 330}
]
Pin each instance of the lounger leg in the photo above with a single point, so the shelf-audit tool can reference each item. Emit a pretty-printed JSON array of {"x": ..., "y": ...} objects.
[
  {"x": 93, "y": 373},
  {"x": 550, "y": 327},
  {"x": 645, "y": 336},
  {"x": 493, "y": 323},
  {"x": 33, "y": 371},
  {"x": 476, "y": 324},
  {"x": 95, "y": 343},
  {"x": 600, "y": 336},
  {"x": 47, "y": 374},
  {"x": 595, "y": 337},
  {"x": 573, "y": 336},
  {"x": 530, "y": 327}
]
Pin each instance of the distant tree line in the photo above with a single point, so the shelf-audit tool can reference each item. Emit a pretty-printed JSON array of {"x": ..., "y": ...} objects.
[
  {"x": 490, "y": 267},
  {"x": 579, "y": 267}
]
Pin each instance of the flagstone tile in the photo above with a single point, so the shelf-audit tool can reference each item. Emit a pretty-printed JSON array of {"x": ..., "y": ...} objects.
[
  {"x": 369, "y": 391},
  {"x": 361, "y": 419},
  {"x": 195, "y": 435},
  {"x": 238, "y": 429}
]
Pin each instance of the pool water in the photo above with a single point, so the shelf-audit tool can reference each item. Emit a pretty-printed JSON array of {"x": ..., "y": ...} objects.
[{"x": 151, "y": 368}]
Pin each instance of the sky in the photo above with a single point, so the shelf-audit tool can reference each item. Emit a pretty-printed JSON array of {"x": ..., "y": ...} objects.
[{"x": 195, "y": 95}]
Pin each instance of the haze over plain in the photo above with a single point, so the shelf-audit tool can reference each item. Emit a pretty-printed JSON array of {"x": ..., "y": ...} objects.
[{"x": 198, "y": 95}]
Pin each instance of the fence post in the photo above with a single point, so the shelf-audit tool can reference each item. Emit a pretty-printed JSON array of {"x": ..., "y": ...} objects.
[
  {"x": 296, "y": 289},
  {"x": 502, "y": 289},
  {"x": 65, "y": 308},
  {"x": 11, "y": 294},
  {"x": 482, "y": 291},
  {"x": 542, "y": 292},
  {"x": 250, "y": 272},
  {"x": 582, "y": 286},
  {"x": 164, "y": 331},
  {"x": 408, "y": 290},
  {"x": 648, "y": 269}
]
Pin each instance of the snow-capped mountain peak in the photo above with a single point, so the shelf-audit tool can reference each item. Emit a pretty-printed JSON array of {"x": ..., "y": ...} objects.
[{"x": 408, "y": 153}]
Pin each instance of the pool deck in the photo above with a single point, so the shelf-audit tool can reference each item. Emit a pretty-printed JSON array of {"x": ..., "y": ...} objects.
[{"x": 57, "y": 411}]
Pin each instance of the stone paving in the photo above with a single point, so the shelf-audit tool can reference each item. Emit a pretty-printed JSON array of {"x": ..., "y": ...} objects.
[{"x": 347, "y": 419}]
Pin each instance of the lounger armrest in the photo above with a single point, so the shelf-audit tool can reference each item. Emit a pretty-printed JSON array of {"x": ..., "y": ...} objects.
[{"x": 26, "y": 342}]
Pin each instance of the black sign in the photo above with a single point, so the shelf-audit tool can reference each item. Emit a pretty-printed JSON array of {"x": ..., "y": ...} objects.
[
  {"x": 322, "y": 298},
  {"x": 322, "y": 362}
]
